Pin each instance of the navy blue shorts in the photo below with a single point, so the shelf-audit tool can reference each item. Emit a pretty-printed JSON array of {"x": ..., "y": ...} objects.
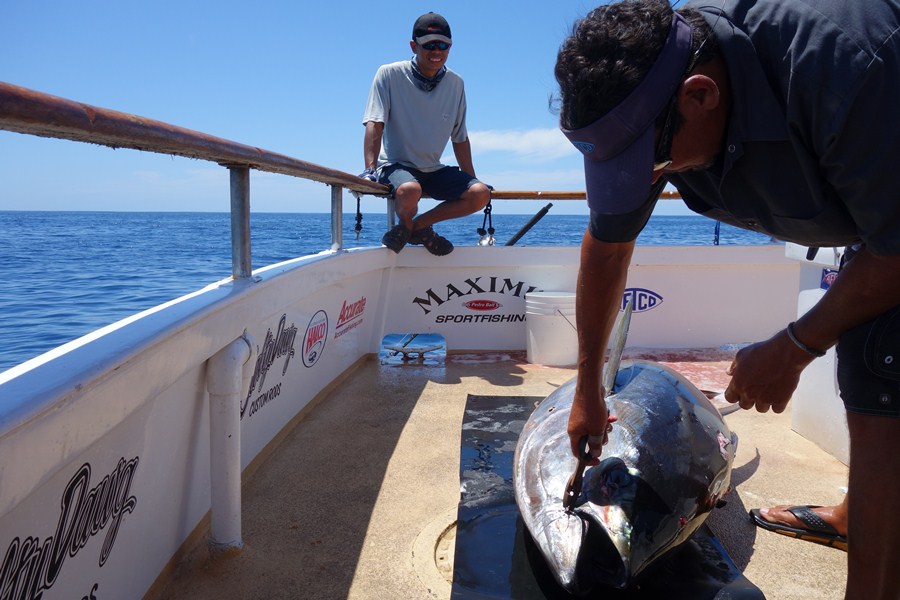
[
  {"x": 447, "y": 183},
  {"x": 868, "y": 367}
]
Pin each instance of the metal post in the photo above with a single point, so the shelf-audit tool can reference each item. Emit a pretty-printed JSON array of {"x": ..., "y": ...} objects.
[
  {"x": 241, "y": 266},
  {"x": 391, "y": 205},
  {"x": 337, "y": 213}
]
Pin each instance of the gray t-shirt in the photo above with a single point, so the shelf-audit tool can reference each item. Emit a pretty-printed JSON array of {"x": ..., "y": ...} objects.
[{"x": 417, "y": 124}]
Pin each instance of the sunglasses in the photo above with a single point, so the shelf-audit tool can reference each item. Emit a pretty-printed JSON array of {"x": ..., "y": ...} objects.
[
  {"x": 436, "y": 46},
  {"x": 662, "y": 155}
]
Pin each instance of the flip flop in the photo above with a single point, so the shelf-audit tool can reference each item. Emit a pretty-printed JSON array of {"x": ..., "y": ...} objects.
[{"x": 817, "y": 530}]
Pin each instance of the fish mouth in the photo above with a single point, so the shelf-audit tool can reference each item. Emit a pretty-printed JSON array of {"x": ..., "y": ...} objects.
[
  {"x": 606, "y": 561},
  {"x": 585, "y": 556}
]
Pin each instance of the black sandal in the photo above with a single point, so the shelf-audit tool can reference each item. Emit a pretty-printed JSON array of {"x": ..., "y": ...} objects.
[
  {"x": 396, "y": 238},
  {"x": 434, "y": 243}
]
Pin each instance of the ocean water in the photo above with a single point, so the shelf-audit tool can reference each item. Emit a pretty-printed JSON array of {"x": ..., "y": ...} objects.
[{"x": 65, "y": 274}]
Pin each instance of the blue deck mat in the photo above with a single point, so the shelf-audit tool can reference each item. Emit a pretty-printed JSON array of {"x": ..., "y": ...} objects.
[{"x": 495, "y": 556}]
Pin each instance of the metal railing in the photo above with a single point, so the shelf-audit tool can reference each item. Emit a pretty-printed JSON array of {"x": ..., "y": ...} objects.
[{"x": 27, "y": 111}]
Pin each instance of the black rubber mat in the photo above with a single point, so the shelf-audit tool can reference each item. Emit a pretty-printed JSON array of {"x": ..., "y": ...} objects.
[{"x": 495, "y": 556}]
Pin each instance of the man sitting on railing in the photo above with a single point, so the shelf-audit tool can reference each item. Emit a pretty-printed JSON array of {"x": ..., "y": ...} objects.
[{"x": 415, "y": 106}]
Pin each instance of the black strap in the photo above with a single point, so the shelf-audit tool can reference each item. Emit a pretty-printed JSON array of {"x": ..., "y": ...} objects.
[
  {"x": 487, "y": 222},
  {"x": 358, "y": 227}
]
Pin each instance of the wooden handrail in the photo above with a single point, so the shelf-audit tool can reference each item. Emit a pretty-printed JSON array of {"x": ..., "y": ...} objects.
[
  {"x": 538, "y": 195},
  {"x": 27, "y": 111}
]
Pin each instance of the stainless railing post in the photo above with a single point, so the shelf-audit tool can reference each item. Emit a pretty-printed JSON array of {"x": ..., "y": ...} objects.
[
  {"x": 241, "y": 266},
  {"x": 390, "y": 212},
  {"x": 337, "y": 213}
]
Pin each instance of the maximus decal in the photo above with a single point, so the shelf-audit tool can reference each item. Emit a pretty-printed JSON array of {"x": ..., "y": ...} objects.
[
  {"x": 314, "y": 340},
  {"x": 351, "y": 317},
  {"x": 281, "y": 344},
  {"x": 31, "y": 567},
  {"x": 641, "y": 300},
  {"x": 477, "y": 285}
]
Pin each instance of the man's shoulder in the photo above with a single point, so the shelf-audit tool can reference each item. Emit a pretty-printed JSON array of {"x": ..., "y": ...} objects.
[
  {"x": 399, "y": 67},
  {"x": 452, "y": 84},
  {"x": 453, "y": 75}
]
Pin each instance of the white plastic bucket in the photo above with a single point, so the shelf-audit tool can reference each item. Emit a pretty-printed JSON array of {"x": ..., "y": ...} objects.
[{"x": 551, "y": 337}]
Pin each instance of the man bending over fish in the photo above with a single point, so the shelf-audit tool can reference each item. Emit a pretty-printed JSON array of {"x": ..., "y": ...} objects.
[{"x": 774, "y": 116}]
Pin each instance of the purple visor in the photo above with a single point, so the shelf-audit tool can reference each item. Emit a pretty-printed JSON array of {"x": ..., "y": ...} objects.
[{"x": 618, "y": 147}]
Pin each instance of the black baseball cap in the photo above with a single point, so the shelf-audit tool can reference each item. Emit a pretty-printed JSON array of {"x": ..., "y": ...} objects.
[
  {"x": 618, "y": 147},
  {"x": 431, "y": 27}
]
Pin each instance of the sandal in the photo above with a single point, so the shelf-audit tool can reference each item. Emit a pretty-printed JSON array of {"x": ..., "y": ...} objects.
[
  {"x": 434, "y": 243},
  {"x": 815, "y": 530},
  {"x": 396, "y": 238}
]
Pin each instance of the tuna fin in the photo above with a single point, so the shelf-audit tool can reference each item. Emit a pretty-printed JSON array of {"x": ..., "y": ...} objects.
[{"x": 615, "y": 355}]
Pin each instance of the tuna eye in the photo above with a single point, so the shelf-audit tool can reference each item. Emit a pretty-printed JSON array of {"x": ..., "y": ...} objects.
[{"x": 618, "y": 478}]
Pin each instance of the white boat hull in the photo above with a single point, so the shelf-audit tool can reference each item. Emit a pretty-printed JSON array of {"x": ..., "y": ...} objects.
[{"x": 123, "y": 414}]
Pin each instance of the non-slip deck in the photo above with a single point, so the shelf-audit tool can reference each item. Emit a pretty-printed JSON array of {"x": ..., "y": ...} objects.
[{"x": 355, "y": 500}]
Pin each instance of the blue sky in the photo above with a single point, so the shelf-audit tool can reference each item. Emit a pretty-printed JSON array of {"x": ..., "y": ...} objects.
[{"x": 288, "y": 76}]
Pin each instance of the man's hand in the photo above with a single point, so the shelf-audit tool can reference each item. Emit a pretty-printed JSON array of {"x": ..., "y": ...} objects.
[
  {"x": 370, "y": 175},
  {"x": 591, "y": 418},
  {"x": 765, "y": 374}
]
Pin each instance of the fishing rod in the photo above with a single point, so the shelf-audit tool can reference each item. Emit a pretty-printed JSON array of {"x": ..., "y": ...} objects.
[{"x": 537, "y": 217}]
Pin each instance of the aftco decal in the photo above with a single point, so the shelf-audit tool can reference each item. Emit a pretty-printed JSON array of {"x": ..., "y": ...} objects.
[{"x": 642, "y": 300}]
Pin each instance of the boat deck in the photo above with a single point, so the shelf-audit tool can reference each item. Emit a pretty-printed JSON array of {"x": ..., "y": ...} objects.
[{"x": 359, "y": 499}]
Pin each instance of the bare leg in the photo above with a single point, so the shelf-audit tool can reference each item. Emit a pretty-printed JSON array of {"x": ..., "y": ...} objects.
[
  {"x": 472, "y": 200},
  {"x": 874, "y": 552},
  {"x": 836, "y": 516},
  {"x": 406, "y": 202}
]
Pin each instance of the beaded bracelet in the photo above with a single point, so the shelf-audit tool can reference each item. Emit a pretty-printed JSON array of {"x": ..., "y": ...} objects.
[{"x": 801, "y": 345}]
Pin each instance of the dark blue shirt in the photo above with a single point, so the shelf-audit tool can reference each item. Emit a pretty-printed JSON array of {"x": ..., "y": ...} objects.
[{"x": 813, "y": 141}]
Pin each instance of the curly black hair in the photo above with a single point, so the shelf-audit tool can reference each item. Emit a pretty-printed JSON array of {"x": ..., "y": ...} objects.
[{"x": 611, "y": 50}]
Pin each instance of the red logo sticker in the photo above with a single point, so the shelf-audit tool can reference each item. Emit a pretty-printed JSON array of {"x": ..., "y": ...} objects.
[{"x": 482, "y": 305}]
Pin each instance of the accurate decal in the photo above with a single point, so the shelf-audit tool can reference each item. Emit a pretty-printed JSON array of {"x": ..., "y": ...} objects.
[
  {"x": 641, "y": 300},
  {"x": 277, "y": 345},
  {"x": 475, "y": 285},
  {"x": 314, "y": 340},
  {"x": 350, "y": 317},
  {"x": 31, "y": 567}
]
